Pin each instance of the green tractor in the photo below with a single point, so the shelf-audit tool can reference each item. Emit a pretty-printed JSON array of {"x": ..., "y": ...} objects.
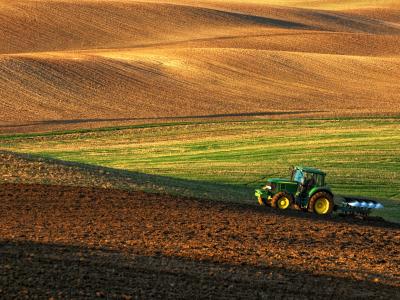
[{"x": 307, "y": 190}]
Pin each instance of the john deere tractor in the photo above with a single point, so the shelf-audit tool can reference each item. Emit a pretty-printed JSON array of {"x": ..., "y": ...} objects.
[{"x": 306, "y": 189}]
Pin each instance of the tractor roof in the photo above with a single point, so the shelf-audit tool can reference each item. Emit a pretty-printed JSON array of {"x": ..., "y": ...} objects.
[{"x": 310, "y": 170}]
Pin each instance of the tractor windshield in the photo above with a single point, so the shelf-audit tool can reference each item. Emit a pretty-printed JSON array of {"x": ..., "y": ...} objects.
[{"x": 298, "y": 176}]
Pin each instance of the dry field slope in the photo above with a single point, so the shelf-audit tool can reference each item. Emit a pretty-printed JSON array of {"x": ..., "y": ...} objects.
[{"x": 84, "y": 63}]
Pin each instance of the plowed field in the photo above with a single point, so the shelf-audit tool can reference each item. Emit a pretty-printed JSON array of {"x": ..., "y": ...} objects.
[
  {"x": 81, "y": 242},
  {"x": 78, "y": 64}
]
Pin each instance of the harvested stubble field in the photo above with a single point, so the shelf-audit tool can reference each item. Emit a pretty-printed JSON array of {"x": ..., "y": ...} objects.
[
  {"x": 76, "y": 64},
  {"x": 64, "y": 242}
]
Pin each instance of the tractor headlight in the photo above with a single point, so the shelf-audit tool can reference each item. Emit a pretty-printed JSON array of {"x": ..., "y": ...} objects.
[{"x": 269, "y": 186}]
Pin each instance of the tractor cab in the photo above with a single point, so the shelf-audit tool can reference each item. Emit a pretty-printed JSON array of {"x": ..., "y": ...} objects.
[{"x": 303, "y": 175}]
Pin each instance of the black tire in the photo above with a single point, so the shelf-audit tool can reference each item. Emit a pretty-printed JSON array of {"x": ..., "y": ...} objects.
[
  {"x": 287, "y": 198},
  {"x": 321, "y": 203}
]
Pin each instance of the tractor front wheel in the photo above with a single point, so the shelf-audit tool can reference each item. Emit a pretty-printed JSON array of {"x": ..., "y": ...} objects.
[
  {"x": 282, "y": 201},
  {"x": 321, "y": 203}
]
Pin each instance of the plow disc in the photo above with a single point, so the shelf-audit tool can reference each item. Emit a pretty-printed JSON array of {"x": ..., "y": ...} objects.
[{"x": 357, "y": 206}]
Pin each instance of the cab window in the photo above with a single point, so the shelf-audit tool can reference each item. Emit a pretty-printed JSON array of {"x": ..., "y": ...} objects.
[{"x": 298, "y": 176}]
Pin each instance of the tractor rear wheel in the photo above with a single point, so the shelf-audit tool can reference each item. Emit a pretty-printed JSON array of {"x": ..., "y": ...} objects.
[
  {"x": 282, "y": 200},
  {"x": 321, "y": 203}
]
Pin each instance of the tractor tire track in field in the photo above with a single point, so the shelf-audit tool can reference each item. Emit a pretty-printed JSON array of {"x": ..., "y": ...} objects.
[{"x": 69, "y": 242}]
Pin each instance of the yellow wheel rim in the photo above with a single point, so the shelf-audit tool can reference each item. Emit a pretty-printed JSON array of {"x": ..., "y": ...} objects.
[
  {"x": 321, "y": 206},
  {"x": 283, "y": 203}
]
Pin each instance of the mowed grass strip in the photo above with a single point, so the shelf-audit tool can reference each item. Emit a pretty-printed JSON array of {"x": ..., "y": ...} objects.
[{"x": 361, "y": 156}]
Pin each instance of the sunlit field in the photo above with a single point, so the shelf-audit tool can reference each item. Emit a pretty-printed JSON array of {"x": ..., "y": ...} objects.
[
  {"x": 361, "y": 156},
  {"x": 140, "y": 62}
]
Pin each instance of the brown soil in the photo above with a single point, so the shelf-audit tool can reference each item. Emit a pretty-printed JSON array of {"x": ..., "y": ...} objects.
[
  {"x": 65, "y": 242},
  {"x": 137, "y": 62}
]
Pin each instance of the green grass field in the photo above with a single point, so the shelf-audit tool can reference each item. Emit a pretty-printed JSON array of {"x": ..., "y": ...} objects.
[{"x": 361, "y": 156}]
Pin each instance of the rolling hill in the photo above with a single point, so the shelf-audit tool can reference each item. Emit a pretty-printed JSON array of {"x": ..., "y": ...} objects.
[{"x": 68, "y": 64}]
